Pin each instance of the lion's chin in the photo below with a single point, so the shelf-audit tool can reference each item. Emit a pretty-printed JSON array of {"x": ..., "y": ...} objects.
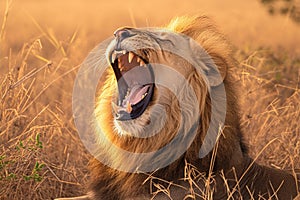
[
  {"x": 150, "y": 123},
  {"x": 134, "y": 127}
]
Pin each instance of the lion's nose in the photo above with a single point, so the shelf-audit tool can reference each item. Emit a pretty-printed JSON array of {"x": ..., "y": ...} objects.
[{"x": 122, "y": 33}]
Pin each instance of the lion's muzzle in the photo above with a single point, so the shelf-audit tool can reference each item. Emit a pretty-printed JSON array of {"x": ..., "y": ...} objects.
[{"x": 135, "y": 79}]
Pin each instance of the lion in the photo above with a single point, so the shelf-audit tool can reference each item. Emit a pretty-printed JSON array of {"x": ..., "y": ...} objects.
[{"x": 130, "y": 101}]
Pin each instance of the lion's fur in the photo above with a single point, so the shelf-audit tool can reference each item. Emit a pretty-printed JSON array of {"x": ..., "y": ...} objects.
[{"x": 108, "y": 183}]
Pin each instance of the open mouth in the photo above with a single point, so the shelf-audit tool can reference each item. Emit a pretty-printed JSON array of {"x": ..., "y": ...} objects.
[{"x": 135, "y": 84}]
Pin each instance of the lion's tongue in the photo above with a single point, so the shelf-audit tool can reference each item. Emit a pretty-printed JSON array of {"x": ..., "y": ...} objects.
[{"x": 136, "y": 94}]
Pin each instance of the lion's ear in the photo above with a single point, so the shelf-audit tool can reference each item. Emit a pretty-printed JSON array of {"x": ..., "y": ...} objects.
[
  {"x": 213, "y": 65},
  {"x": 220, "y": 68},
  {"x": 215, "y": 74}
]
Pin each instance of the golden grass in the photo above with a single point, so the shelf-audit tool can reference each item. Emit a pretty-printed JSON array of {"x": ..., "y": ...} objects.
[{"x": 41, "y": 156}]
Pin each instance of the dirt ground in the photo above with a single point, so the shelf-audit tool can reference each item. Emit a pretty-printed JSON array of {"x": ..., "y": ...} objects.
[{"x": 42, "y": 44}]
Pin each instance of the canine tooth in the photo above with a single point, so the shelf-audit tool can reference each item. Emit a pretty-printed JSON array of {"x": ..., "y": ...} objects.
[
  {"x": 130, "y": 57},
  {"x": 138, "y": 59},
  {"x": 119, "y": 64},
  {"x": 124, "y": 52},
  {"x": 113, "y": 57}
]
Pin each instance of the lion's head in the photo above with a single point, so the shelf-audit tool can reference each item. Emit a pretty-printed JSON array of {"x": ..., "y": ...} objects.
[
  {"x": 139, "y": 58},
  {"x": 153, "y": 89}
]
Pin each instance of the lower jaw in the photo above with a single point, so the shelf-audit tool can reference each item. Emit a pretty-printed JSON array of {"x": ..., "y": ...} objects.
[
  {"x": 138, "y": 109},
  {"x": 128, "y": 128}
]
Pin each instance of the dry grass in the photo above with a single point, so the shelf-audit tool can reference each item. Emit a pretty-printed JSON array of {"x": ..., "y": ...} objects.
[
  {"x": 41, "y": 156},
  {"x": 271, "y": 107}
]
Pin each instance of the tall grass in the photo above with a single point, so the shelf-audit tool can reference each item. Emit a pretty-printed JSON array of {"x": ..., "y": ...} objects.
[{"x": 40, "y": 151}]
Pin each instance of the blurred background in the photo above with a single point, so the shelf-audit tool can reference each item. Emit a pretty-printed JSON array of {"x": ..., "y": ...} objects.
[
  {"x": 42, "y": 44},
  {"x": 266, "y": 22}
]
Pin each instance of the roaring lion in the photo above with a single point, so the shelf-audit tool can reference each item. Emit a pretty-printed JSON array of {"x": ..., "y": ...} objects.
[{"x": 131, "y": 100}]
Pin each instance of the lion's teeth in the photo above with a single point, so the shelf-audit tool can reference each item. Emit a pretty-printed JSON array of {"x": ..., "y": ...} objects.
[
  {"x": 130, "y": 57},
  {"x": 144, "y": 95},
  {"x": 113, "y": 57},
  {"x": 142, "y": 63},
  {"x": 127, "y": 94},
  {"x": 124, "y": 52},
  {"x": 128, "y": 107},
  {"x": 119, "y": 63}
]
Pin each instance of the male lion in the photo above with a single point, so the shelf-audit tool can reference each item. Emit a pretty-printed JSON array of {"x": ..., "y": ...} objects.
[{"x": 131, "y": 99}]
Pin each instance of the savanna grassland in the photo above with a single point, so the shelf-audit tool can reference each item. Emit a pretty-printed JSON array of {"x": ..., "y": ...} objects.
[{"x": 42, "y": 44}]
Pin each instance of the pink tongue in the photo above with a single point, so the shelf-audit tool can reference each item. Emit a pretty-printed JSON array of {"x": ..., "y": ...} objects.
[{"x": 136, "y": 94}]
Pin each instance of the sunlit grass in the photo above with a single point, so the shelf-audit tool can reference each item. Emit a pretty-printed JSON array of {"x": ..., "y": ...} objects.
[{"x": 41, "y": 156}]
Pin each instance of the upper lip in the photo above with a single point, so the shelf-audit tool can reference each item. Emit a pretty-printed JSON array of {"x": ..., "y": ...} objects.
[{"x": 116, "y": 53}]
